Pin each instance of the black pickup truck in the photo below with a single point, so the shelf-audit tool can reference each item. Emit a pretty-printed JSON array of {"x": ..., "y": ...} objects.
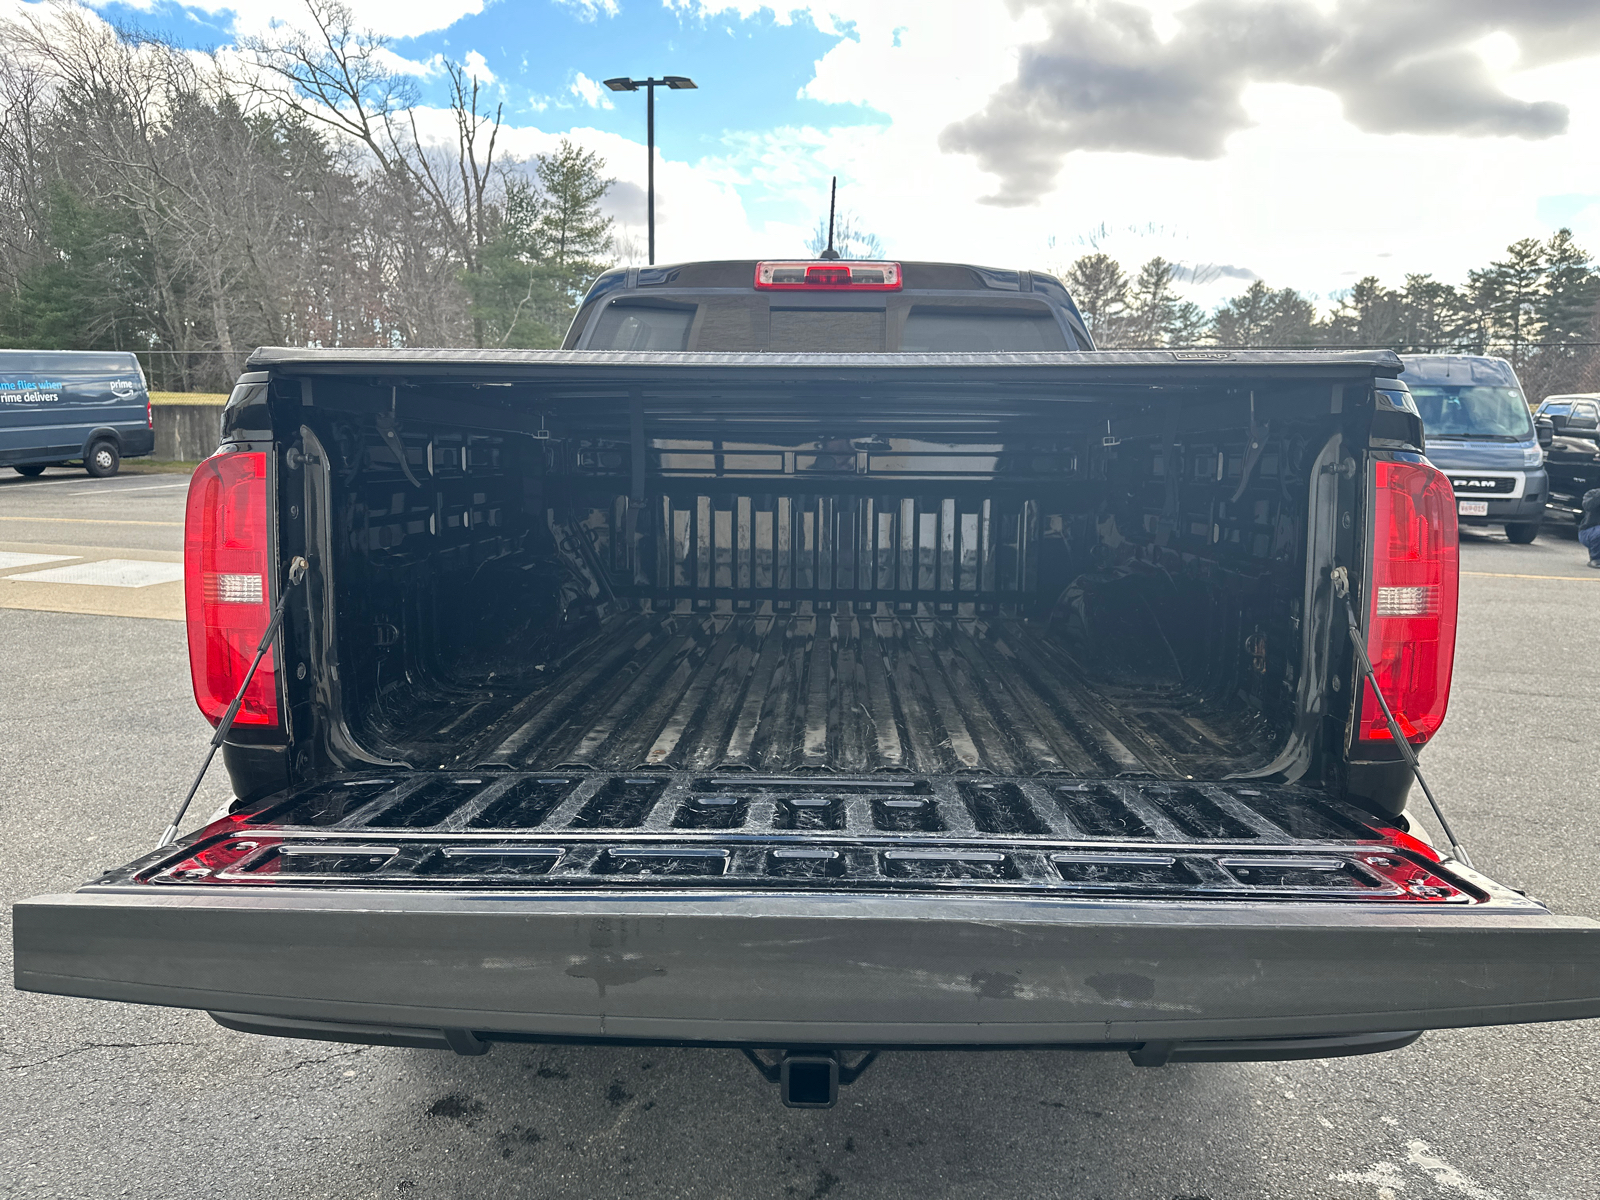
[{"x": 813, "y": 659}]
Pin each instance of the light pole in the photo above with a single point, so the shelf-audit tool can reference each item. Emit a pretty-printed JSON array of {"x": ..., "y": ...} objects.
[{"x": 624, "y": 84}]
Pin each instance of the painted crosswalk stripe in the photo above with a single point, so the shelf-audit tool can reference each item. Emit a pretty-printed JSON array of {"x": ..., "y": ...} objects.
[
  {"x": 110, "y": 572},
  {"x": 10, "y": 559}
]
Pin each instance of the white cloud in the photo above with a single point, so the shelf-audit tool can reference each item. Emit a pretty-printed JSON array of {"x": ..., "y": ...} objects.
[
  {"x": 743, "y": 9},
  {"x": 397, "y": 18},
  {"x": 588, "y": 10},
  {"x": 400, "y": 65},
  {"x": 697, "y": 214},
  {"x": 1301, "y": 197},
  {"x": 478, "y": 67},
  {"x": 1498, "y": 50},
  {"x": 434, "y": 67},
  {"x": 589, "y": 91}
]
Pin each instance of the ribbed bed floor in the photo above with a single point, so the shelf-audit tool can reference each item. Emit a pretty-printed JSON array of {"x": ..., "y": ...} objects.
[{"x": 834, "y": 692}]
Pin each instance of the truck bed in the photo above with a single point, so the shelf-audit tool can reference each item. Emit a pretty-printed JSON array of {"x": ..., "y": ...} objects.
[
  {"x": 814, "y": 701},
  {"x": 831, "y": 692}
]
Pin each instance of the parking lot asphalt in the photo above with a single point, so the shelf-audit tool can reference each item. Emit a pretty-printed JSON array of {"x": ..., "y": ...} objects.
[
  {"x": 100, "y": 737},
  {"x": 109, "y": 547}
]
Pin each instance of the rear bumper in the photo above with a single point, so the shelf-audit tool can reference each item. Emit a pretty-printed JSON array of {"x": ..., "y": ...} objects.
[
  {"x": 814, "y": 969},
  {"x": 137, "y": 442}
]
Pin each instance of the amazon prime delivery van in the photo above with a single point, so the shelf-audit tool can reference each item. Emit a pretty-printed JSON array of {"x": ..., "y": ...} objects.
[{"x": 60, "y": 406}]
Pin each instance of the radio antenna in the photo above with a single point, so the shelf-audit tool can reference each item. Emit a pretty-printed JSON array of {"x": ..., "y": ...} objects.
[{"x": 833, "y": 195}]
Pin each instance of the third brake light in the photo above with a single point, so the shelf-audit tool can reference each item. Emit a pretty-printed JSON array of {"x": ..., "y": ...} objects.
[{"x": 851, "y": 275}]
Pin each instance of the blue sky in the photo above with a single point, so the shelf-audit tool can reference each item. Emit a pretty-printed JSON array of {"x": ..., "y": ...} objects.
[
  {"x": 548, "y": 55},
  {"x": 751, "y": 70},
  {"x": 1027, "y": 132}
]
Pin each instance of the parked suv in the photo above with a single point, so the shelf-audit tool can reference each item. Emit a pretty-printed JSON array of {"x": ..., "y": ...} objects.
[
  {"x": 1481, "y": 434},
  {"x": 83, "y": 406}
]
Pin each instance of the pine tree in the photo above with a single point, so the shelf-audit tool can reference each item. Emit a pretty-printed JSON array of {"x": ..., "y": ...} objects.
[
  {"x": 86, "y": 291},
  {"x": 1190, "y": 325},
  {"x": 516, "y": 294},
  {"x": 1291, "y": 320},
  {"x": 1508, "y": 292},
  {"x": 1564, "y": 320},
  {"x": 1243, "y": 320},
  {"x": 1261, "y": 317},
  {"x": 1433, "y": 315},
  {"x": 1481, "y": 302},
  {"x": 575, "y": 238},
  {"x": 1100, "y": 289},
  {"x": 548, "y": 240},
  {"x": 1152, "y": 307},
  {"x": 1368, "y": 315},
  {"x": 1565, "y": 306}
]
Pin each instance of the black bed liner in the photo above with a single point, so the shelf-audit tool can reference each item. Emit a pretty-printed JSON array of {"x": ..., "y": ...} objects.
[{"x": 830, "y": 691}]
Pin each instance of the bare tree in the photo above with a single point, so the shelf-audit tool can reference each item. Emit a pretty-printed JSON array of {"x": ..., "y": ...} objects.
[
  {"x": 335, "y": 74},
  {"x": 194, "y": 207}
]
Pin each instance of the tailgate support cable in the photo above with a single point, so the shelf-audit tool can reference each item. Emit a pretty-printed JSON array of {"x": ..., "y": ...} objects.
[
  {"x": 297, "y": 573},
  {"x": 1341, "y": 588}
]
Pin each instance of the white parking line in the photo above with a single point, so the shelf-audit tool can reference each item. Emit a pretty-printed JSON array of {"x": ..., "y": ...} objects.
[
  {"x": 110, "y": 572},
  {"x": 29, "y": 485},
  {"x": 10, "y": 559},
  {"x": 159, "y": 487},
  {"x": 90, "y": 521}
]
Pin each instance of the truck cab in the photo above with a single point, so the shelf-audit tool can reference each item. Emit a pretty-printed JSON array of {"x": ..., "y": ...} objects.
[
  {"x": 1573, "y": 415},
  {"x": 839, "y": 306}
]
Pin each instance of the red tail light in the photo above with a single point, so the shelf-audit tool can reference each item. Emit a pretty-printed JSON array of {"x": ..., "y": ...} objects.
[
  {"x": 225, "y": 583},
  {"x": 149, "y": 414},
  {"x": 1411, "y": 604}
]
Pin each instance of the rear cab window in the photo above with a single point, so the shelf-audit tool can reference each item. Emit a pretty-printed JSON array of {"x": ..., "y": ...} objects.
[
  {"x": 940, "y": 308},
  {"x": 968, "y": 330},
  {"x": 625, "y": 325}
]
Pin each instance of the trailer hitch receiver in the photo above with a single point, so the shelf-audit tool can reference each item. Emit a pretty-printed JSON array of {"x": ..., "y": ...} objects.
[{"x": 810, "y": 1078}]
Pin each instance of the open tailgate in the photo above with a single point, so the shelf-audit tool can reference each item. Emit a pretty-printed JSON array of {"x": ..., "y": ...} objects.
[
  {"x": 704, "y": 937},
  {"x": 814, "y": 969}
]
